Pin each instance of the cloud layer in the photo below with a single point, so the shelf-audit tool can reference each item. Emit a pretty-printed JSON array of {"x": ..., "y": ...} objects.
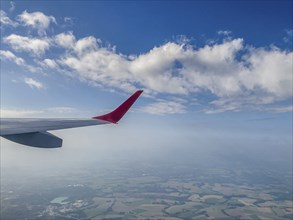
[{"x": 234, "y": 76}]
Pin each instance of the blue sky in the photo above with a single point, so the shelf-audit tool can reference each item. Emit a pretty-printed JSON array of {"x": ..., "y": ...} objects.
[{"x": 218, "y": 65}]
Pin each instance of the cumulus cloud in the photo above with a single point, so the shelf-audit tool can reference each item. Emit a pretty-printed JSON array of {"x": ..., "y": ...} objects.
[
  {"x": 157, "y": 70},
  {"x": 36, "y": 20},
  {"x": 270, "y": 71},
  {"x": 86, "y": 45},
  {"x": 35, "y": 46},
  {"x": 236, "y": 76},
  {"x": 65, "y": 40},
  {"x": 95, "y": 64},
  {"x": 34, "y": 84},
  {"x": 260, "y": 76},
  {"x": 5, "y": 20}
]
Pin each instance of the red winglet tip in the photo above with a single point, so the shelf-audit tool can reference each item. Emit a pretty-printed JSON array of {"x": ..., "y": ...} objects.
[{"x": 118, "y": 113}]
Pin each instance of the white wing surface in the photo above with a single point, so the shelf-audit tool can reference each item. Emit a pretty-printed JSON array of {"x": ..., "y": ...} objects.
[{"x": 11, "y": 126}]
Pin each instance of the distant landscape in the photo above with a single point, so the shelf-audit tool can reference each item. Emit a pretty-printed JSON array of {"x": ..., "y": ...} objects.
[{"x": 151, "y": 189}]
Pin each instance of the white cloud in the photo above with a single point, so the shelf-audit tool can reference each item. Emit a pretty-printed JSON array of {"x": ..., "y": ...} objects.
[
  {"x": 5, "y": 54},
  {"x": 258, "y": 77},
  {"x": 236, "y": 75},
  {"x": 34, "y": 84},
  {"x": 86, "y": 45},
  {"x": 17, "y": 113},
  {"x": 36, "y": 20},
  {"x": 156, "y": 69},
  {"x": 47, "y": 112},
  {"x": 164, "y": 107},
  {"x": 224, "y": 32},
  {"x": 270, "y": 71},
  {"x": 97, "y": 65},
  {"x": 66, "y": 40},
  {"x": 223, "y": 53},
  {"x": 49, "y": 63},
  {"x": 281, "y": 109},
  {"x": 5, "y": 20},
  {"x": 236, "y": 106},
  {"x": 8, "y": 55},
  {"x": 35, "y": 46},
  {"x": 61, "y": 110}
]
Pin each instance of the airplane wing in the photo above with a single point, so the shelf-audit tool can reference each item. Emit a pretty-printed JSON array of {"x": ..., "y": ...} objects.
[{"x": 33, "y": 132}]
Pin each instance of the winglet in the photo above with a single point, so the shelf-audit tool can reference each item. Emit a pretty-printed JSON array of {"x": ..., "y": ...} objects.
[{"x": 119, "y": 112}]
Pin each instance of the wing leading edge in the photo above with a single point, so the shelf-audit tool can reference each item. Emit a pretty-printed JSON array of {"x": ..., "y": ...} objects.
[{"x": 33, "y": 132}]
